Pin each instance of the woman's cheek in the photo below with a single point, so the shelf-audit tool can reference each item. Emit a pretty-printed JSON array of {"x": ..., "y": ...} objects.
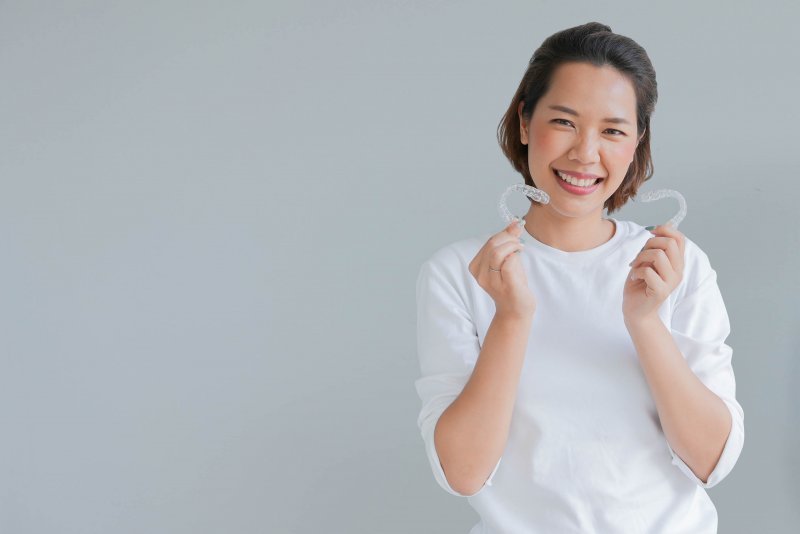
[
  {"x": 623, "y": 153},
  {"x": 546, "y": 142}
]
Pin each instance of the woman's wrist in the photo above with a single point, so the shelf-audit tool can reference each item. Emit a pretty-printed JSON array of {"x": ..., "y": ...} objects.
[
  {"x": 642, "y": 322},
  {"x": 520, "y": 316}
]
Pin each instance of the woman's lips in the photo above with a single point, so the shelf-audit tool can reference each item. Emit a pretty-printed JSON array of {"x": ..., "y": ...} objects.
[
  {"x": 574, "y": 189},
  {"x": 580, "y": 175}
]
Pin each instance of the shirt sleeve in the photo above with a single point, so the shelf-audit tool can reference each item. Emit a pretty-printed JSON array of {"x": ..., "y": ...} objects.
[
  {"x": 447, "y": 341},
  {"x": 700, "y": 326}
]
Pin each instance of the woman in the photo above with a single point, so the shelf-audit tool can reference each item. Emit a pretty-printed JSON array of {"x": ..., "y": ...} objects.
[{"x": 579, "y": 381}]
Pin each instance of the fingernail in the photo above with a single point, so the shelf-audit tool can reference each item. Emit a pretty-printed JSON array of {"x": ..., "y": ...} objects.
[{"x": 649, "y": 227}]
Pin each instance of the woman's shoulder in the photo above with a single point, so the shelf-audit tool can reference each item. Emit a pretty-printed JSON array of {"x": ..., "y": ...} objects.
[
  {"x": 697, "y": 269},
  {"x": 453, "y": 259},
  {"x": 459, "y": 252}
]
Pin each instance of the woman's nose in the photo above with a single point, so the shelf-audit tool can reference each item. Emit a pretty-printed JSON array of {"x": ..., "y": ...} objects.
[{"x": 585, "y": 149}]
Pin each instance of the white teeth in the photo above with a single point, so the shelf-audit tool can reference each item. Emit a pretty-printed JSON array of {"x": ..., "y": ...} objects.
[{"x": 575, "y": 181}]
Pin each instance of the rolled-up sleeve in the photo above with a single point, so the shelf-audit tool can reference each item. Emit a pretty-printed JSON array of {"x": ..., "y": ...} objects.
[
  {"x": 700, "y": 327},
  {"x": 446, "y": 341}
]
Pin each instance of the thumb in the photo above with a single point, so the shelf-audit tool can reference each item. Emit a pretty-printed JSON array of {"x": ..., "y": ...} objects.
[{"x": 513, "y": 227}]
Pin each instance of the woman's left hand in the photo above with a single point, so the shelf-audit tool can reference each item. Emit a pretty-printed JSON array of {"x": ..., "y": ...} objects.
[{"x": 655, "y": 273}]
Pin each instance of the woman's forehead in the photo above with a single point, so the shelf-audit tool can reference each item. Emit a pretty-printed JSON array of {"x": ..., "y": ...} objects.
[{"x": 591, "y": 90}]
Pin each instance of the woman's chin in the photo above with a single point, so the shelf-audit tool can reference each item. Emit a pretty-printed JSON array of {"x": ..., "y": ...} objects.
[{"x": 574, "y": 208}]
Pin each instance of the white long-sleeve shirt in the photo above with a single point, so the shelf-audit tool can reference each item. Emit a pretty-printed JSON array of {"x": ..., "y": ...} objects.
[{"x": 585, "y": 450}]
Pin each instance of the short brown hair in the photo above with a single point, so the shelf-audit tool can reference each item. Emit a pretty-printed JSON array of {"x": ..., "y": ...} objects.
[{"x": 596, "y": 44}]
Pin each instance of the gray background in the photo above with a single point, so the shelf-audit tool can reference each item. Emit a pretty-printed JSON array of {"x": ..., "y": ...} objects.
[{"x": 213, "y": 214}]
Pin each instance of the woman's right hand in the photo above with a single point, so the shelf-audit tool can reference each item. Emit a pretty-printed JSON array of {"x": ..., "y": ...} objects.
[{"x": 508, "y": 287}]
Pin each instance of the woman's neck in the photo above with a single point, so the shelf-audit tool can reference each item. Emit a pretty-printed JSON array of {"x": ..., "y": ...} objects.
[{"x": 569, "y": 234}]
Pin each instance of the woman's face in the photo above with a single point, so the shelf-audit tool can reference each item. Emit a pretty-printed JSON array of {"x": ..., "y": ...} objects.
[{"x": 584, "y": 125}]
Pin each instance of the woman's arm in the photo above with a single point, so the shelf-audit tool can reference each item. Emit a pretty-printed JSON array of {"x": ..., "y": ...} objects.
[
  {"x": 688, "y": 366},
  {"x": 471, "y": 434},
  {"x": 696, "y": 421}
]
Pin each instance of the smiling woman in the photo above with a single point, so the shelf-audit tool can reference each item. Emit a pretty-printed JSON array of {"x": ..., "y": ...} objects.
[
  {"x": 562, "y": 72},
  {"x": 585, "y": 156},
  {"x": 580, "y": 381}
]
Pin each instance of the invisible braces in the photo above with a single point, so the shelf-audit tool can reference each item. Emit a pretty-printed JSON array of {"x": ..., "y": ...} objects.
[{"x": 541, "y": 196}]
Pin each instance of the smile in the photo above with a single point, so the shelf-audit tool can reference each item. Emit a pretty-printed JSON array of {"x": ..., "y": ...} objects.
[
  {"x": 574, "y": 181},
  {"x": 577, "y": 187}
]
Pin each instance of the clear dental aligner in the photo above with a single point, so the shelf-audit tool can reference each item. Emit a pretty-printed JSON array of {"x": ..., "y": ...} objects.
[
  {"x": 658, "y": 194},
  {"x": 531, "y": 192},
  {"x": 541, "y": 196}
]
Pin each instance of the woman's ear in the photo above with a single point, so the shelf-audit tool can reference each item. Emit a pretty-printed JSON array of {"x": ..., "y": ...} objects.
[
  {"x": 640, "y": 137},
  {"x": 523, "y": 128}
]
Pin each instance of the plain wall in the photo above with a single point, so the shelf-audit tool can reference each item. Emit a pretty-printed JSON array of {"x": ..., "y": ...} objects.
[{"x": 212, "y": 218}]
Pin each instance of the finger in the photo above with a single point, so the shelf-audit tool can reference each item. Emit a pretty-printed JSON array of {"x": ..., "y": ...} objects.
[
  {"x": 498, "y": 255},
  {"x": 669, "y": 246},
  {"x": 655, "y": 286},
  {"x": 511, "y": 272},
  {"x": 508, "y": 234},
  {"x": 515, "y": 227},
  {"x": 508, "y": 268},
  {"x": 659, "y": 260},
  {"x": 668, "y": 230},
  {"x": 499, "y": 238},
  {"x": 661, "y": 265}
]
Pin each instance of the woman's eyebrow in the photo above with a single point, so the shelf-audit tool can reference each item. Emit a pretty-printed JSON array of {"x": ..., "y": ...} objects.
[{"x": 565, "y": 109}]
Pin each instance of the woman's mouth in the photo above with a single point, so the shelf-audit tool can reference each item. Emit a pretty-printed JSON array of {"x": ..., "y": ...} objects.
[{"x": 575, "y": 186}]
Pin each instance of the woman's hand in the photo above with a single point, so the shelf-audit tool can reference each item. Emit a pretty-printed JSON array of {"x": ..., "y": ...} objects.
[
  {"x": 655, "y": 273},
  {"x": 508, "y": 285}
]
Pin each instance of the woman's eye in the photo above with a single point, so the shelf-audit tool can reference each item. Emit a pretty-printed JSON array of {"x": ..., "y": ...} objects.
[{"x": 565, "y": 122}]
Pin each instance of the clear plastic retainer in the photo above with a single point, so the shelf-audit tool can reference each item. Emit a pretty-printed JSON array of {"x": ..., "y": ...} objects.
[
  {"x": 531, "y": 192},
  {"x": 658, "y": 194},
  {"x": 541, "y": 196}
]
